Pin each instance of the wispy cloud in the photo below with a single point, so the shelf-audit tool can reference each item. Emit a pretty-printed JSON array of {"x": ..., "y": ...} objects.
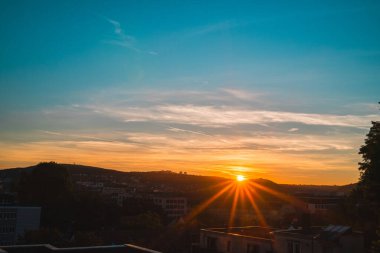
[
  {"x": 212, "y": 28},
  {"x": 176, "y": 129},
  {"x": 125, "y": 40},
  {"x": 199, "y": 131},
  {"x": 215, "y": 27},
  {"x": 241, "y": 94},
  {"x": 211, "y": 109},
  {"x": 218, "y": 116},
  {"x": 122, "y": 39}
]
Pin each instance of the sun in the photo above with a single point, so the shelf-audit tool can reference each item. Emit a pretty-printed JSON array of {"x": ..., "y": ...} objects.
[{"x": 240, "y": 178}]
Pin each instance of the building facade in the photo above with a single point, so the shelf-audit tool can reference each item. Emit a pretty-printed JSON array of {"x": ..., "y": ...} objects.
[
  {"x": 330, "y": 239},
  {"x": 15, "y": 220},
  {"x": 316, "y": 205},
  {"x": 236, "y": 240}
]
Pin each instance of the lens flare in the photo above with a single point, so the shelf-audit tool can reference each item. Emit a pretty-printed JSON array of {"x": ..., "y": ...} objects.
[{"x": 240, "y": 178}]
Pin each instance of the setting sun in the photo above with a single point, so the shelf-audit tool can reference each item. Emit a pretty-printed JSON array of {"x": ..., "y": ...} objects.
[{"x": 240, "y": 178}]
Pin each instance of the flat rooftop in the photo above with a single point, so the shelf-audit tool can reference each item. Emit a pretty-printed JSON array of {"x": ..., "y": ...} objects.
[
  {"x": 249, "y": 231},
  {"x": 42, "y": 248}
]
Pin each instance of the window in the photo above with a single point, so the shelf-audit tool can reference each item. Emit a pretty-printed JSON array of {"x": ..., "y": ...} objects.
[
  {"x": 253, "y": 248},
  {"x": 294, "y": 247}
]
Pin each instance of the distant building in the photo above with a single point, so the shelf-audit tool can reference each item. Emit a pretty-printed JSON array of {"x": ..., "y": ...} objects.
[
  {"x": 90, "y": 185},
  {"x": 321, "y": 204},
  {"x": 174, "y": 207},
  {"x": 117, "y": 194},
  {"x": 5, "y": 184},
  {"x": 15, "y": 220}
]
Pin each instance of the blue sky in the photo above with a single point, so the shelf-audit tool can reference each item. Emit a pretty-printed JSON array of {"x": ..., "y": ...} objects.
[{"x": 244, "y": 80}]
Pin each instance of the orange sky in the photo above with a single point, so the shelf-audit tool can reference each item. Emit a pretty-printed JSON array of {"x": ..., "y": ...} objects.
[{"x": 201, "y": 155}]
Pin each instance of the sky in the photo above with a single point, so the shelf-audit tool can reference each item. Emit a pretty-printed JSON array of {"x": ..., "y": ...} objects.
[{"x": 282, "y": 90}]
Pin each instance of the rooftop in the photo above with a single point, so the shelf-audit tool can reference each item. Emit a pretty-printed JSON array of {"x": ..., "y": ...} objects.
[
  {"x": 330, "y": 232},
  {"x": 248, "y": 231},
  {"x": 45, "y": 248}
]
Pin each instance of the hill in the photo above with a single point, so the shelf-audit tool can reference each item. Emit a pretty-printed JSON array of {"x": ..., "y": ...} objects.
[{"x": 168, "y": 181}]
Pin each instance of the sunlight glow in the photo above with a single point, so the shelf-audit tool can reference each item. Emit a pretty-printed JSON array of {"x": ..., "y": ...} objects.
[
  {"x": 241, "y": 193},
  {"x": 240, "y": 178}
]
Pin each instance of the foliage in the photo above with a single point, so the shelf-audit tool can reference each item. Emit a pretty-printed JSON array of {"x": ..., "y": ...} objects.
[
  {"x": 55, "y": 237},
  {"x": 370, "y": 166},
  {"x": 367, "y": 193},
  {"x": 147, "y": 220},
  {"x": 43, "y": 236},
  {"x": 82, "y": 238},
  {"x": 46, "y": 184}
]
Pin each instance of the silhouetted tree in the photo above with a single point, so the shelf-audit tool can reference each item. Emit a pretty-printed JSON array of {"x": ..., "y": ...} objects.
[
  {"x": 48, "y": 185},
  {"x": 42, "y": 236},
  {"x": 81, "y": 238},
  {"x": 376, "y": 242},
  {"x": 370, "y": 166},
  {"x": 367, "y": 193}
]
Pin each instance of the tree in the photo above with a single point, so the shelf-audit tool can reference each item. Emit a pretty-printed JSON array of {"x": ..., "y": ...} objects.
[
  {"x": 48, "y": 185},
  {"x": 44, "y": 235},
  {"x": 376, "y": 243},
  {"x": 369, "y": 168},
  {"x": 367, "y": 193}
]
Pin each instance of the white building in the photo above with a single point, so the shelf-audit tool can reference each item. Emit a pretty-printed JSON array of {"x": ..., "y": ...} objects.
[
  {"x": 331, "y": 239},
  {"x": 236, "y": 240},
  {"x": 316, "y": 205},
  {"x": 15, "y": 220},
  {"x": 334, "y": 239}
]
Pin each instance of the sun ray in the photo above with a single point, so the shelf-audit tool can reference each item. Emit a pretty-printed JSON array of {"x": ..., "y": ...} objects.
[
  {"x": 261, "y": 217},
  {"x": 234, "y": 205},
  {"x": 220, "y": 184},
  {"x": 197, "y": 210},
  {"x": 296, "y": 202}
]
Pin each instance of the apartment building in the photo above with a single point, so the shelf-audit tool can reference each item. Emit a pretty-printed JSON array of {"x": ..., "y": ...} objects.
[{"x": 15, "y": 220}]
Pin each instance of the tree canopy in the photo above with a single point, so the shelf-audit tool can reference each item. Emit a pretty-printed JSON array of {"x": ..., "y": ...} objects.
[
  {"x": 370, "y": 165},
  {"x": 368, "y": 191}
]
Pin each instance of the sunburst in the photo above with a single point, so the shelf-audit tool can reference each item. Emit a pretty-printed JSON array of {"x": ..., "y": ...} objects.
[{"x": 245, "y": 191}]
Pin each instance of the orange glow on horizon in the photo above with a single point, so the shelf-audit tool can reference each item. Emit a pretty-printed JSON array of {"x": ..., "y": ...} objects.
[
  {"x": 266, "y": 164},
  {"x": 244, "y": 194}
]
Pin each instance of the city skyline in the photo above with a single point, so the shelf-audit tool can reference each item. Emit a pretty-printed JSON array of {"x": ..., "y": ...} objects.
[{"x": 272, "y": 90}]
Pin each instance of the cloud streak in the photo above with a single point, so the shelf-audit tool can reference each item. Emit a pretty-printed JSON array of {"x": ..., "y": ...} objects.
[
  {"x": 122, "y": 39},
  {"x": 210, "y": 28},
  {"x": 206, "y": 132},
  {"x": 221, "y": 116},
  {"x": 125, "y": 40}
]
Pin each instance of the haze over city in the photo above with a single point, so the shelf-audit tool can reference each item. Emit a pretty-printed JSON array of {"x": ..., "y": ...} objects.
[{"x": 276, "y": 90}]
